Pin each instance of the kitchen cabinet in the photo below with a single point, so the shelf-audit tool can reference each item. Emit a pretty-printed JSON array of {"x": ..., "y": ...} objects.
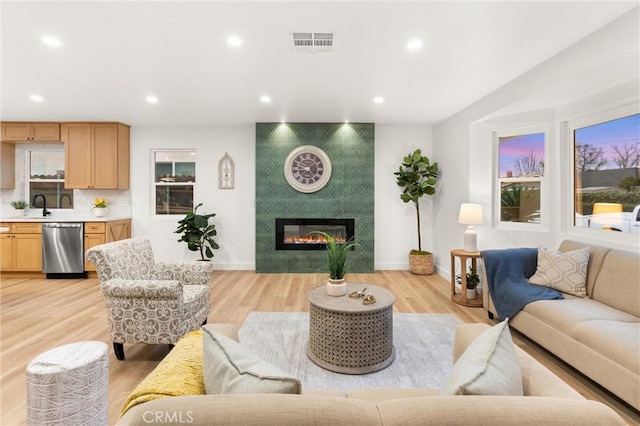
[
  {"x": 21, "y": 247},
  {"x": 96, "y": 155},
  {"x": 7, "y": 165},
  {"x": 96, "y": 233},
  {"x": 27, "y": 132}
]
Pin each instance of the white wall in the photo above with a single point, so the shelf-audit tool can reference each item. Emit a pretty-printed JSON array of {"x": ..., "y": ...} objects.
[
  {"x": 583, "y": 75},
  {"x": 396, "y": 222},
  {"x": 234, "y": 208}
]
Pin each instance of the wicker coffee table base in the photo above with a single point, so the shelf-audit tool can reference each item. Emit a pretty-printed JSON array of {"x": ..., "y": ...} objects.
[{"x": 351, "y": 342}]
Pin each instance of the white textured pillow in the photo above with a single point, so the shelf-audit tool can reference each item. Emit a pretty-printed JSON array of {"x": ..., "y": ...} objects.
[
  {"x": 489, "y": 366},
  {"x": 565, "y": 272},
  {"x": 228, "y": 367}
]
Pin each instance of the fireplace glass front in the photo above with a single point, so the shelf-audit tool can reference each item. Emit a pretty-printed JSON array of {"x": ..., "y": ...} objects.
[{"x": 296, "y": 234}]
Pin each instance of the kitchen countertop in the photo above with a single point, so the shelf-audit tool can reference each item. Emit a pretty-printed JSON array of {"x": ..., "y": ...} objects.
[{"x": 64, "y": 218}]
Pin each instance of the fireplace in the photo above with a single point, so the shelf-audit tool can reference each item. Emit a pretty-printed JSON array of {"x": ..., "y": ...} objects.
[{"x": 294, "y": 234}]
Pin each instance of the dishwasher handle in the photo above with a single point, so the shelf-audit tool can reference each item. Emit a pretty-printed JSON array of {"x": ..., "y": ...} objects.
[{"x": 62, "y": 225}]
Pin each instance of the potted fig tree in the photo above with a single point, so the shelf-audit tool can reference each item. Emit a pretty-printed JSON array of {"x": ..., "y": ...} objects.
[
  {"x": 417, "y": 177},
  {"x": 198, "y": 233}
]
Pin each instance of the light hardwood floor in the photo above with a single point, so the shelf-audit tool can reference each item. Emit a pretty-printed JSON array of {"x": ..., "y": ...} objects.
[{"x": 38, "y": 315}]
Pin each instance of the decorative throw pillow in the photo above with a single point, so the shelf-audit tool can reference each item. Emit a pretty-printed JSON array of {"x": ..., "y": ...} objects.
[
  {"x": 565, "y": 272},
  {"x": 489, "y": 366},
  {"x": 228, "y": 367}
]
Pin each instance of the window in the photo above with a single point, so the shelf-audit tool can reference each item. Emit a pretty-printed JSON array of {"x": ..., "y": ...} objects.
[
  {"x": 175, "y": 177},
  {"x": 520, "y": 176},
  {"x": 606, "y": 153},
  {"x": 46, "y": 176}
]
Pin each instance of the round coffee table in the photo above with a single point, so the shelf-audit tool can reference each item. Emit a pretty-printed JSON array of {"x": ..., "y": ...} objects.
[{"x": 347, "y": 336}]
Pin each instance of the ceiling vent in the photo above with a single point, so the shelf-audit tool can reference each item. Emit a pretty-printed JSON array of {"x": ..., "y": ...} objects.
[{"x": 313, "y": 42}]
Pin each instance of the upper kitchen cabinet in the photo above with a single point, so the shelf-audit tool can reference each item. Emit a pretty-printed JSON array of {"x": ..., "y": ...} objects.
[
  {"x": 96, "y": 155},
  {"x": 30, "y": 132}
]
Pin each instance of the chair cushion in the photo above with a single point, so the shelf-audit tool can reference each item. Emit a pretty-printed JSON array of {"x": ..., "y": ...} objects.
[
  {"x": 489, "y": 366},
  {"x": 228, "y": 367}
]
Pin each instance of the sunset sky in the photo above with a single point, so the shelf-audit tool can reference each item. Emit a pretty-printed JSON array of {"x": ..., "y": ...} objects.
[
  {"x": 614, "y": 132},
  {"x": 603, "y": 135},
  {"x": 512, "y": 148}
]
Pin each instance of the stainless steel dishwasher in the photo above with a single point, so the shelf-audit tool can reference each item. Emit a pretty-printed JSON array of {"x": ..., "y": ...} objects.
[{"x": 63, "y": 250}]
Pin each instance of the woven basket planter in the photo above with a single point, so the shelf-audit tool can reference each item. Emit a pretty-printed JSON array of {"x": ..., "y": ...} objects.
[{"x": 421, "y": 264}]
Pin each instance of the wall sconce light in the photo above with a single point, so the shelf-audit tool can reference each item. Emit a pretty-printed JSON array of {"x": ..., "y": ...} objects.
[{"x": 470, "y": 215}]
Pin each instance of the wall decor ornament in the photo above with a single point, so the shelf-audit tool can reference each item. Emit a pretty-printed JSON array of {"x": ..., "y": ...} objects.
[
  {"x": 226, "y": 168},
  {"x": 307, "y": 168}
]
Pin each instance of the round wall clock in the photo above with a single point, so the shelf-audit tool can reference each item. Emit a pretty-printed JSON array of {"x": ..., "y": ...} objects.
[{"x": 307, "y": 168}]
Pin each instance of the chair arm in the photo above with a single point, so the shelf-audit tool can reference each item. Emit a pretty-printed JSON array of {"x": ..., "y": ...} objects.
[
  {"x": 188, "y": 273},
  {"x": 144, "y": 289}
]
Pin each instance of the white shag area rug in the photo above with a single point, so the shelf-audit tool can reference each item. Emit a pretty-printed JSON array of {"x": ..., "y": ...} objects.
[{"x": 423, "y": 345}]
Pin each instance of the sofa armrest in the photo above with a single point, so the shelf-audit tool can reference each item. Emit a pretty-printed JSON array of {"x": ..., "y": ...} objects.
[
  {"x": 188, "y": 273},
  {"x": 144, "y": 289}
]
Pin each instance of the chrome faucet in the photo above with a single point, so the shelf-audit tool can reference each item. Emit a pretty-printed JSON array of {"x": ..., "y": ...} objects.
[{"x": 45, "y": 212}]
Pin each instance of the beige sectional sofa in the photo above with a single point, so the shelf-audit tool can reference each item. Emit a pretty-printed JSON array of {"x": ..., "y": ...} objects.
[
  {"x": 599, "y": 335},
  {"x": 548, "y": 400}
]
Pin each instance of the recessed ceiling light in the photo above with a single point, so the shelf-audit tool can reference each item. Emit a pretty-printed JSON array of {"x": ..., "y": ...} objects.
[
  {"x": 414, "y": 44},
  {"x": 152, "y": 99},
  {"x": 265, "y": 99},
  {"x": 378, "y": 100},
  {"x": 234, "y": 41},
  {"x": 36, "y": 98},
  {"x": 51, "y": 41}
]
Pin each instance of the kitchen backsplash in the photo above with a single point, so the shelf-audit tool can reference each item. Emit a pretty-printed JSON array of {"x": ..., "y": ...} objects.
[{"x": 119, "y": 201}]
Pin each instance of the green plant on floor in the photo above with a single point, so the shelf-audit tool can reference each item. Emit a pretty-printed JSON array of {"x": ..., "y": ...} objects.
[
  {"x": 418, "y": 177},
  {"x": 198, "y": 233},
  {"x": 336, "y": 255}
]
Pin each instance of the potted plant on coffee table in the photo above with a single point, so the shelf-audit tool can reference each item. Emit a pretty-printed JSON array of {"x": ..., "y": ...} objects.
[
  {"x": 417, "y": 177},
  {"x": 336, "y": 262},
  {"x": 198, "y": 233}
]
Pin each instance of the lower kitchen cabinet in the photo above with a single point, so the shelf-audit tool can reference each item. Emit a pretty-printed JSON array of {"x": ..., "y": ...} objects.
[
  {"x": 96, "y": 233},
  {"x": 21, "y": 247}
]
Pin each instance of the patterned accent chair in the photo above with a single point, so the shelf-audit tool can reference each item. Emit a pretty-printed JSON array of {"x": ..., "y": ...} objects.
[{"x": 149, "y": 301}]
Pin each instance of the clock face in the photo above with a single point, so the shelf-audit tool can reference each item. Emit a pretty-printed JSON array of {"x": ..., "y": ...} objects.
[{"x": 307, "y": 168}]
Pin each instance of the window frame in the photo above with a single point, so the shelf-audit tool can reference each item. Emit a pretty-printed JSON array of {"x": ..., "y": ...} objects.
[
  {"x": 155, "y": 184},
  {"x": 543, "y": 224},
  {"x": 28, "y": 180},
  {"x": 568, "y": 127}
]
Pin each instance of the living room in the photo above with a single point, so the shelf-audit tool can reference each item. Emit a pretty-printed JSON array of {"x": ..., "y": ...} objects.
[{"x": 594, "y": 71}]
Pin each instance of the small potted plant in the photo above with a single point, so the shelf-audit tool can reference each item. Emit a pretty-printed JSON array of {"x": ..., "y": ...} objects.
[
  {"x": 417, "y": 177},
  {"x": 473, "y": 279},
  {"x": 198, "y": 233},
  {"x": 336, "y": 262},
  {"x": 19, "y": 208},
  {"x": 99, "y": 207}
]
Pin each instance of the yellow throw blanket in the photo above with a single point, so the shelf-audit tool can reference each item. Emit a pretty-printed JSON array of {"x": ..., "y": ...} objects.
[{"x": 178, "y": 374}]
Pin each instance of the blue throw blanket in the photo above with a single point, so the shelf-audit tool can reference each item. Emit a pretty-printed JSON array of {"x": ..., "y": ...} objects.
[{"x": 507, "y": 272}]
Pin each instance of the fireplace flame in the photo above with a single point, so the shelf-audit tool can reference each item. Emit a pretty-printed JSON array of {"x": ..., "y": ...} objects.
[{"x": 311, "y": 239}]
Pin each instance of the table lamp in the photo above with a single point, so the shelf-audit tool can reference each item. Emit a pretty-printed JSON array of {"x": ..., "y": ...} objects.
[{"x": 470, "y": 214}]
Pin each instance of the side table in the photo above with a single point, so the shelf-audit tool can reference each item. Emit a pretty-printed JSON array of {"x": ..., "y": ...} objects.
[{"x": 464, "y": 256}]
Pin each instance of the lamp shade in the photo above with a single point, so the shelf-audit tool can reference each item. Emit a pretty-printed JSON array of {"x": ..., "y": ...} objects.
[
  {"x": 601, "y": 208},
  {"x": 470, "y": 214}
]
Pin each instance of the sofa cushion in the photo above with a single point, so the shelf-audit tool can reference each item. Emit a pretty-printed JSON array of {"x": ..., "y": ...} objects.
[
  {"x": 564, "y": 315},
  {"x": 565, "y": 272},
  {"x": 617, "y": 284},
  {"x": 615, "y": 340},
  {"x": 489, "y": 366},
  {"x": 228, "y": 367}
]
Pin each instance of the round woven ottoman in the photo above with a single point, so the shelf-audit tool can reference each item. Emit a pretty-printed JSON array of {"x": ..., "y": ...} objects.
[{"x": 68, "y": 385}]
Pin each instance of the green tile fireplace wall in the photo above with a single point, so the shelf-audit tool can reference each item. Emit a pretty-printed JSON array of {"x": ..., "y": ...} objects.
[{"x": 349, "y": 193}]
